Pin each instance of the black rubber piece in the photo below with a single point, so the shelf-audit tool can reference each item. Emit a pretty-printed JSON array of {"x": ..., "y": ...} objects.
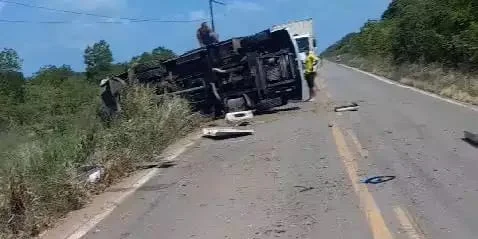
[{"x": 378, "y": 179}]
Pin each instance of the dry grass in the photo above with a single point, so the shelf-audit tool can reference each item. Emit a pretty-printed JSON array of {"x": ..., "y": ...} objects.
[
  {"x": 143, "y": 132},
  {"x": 38, "y": 184},
  {"x": 433, "y": 78},
  {"x": 39, "y": 180}
]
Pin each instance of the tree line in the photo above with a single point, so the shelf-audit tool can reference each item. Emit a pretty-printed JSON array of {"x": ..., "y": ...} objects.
[
  {"x": 20, "y": 96},
  {"x": 443, "y": 32}
]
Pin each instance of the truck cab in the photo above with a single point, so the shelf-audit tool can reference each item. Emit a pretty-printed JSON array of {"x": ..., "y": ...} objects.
[{"x": 305, "y": 43}]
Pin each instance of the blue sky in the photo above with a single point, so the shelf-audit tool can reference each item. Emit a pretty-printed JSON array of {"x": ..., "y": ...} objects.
[{"x": 56, "y": 44}]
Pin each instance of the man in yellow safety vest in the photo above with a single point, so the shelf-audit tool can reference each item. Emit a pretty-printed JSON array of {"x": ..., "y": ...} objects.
[{"x": 311, "y": 62}]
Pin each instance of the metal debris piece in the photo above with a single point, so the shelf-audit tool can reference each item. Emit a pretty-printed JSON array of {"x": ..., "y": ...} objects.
[
  {"x": 167, "y": 164},
  {"x": 352, "y": 107},
  {"x": 304, "y": 189},
  {"x": 225, "y": 132},
  {"x": 239, "y": 116},
  {"x": 95, "y": 175},
  {"x": 471, "y": 137},
  {"x": 162, "y": 164},
  {"x": 91, "y": 173}
]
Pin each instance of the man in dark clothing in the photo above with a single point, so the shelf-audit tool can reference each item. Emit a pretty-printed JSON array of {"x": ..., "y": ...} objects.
[{"x": 206, "y": 36}]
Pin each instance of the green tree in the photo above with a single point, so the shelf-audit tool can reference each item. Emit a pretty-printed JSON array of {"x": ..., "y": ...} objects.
[
  {"x": 156, "y": 56},
  {"x": 9, "y": 60},
  {"x": 162, "y": 53},
  {"x": 55, "y": 97},
  {"x": 11, "y": 96},
  {"x": 98, "y": 60},
  {"x": 12, "y": 85},
  {"x": 119, "y": 68},
  {"x": 419, "y": 31},
  {"x": 53, "y": 75}
]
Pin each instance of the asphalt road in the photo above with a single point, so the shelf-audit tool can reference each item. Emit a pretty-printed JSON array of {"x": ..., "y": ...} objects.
[{"x": 299, "y": 175}]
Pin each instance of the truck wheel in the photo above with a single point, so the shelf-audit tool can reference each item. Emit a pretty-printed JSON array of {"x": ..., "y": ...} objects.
[{"x": 236, "y": 104}]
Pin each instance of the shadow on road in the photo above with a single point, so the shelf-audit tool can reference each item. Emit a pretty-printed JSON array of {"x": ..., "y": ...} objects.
[
  {"x": 471, "y": 143},
  {"x": 153, "y": 188},
  {"x": 275, "y": 111}
]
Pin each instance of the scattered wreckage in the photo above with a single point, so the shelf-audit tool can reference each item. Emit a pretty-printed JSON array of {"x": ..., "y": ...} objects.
[
  {"x": 472, "y": 138},
  {"x": 350, "y": 107},
  {"x": 225, "y": 132},
  {"x": 256, "y": 72}
]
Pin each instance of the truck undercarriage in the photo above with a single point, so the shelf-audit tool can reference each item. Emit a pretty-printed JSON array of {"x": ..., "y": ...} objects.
[{"x": 260, "y": 71}]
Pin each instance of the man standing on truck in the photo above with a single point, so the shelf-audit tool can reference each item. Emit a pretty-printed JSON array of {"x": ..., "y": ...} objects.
[
  {"x": 206, "y": 36},
  {"x": 311, "y": 62}
]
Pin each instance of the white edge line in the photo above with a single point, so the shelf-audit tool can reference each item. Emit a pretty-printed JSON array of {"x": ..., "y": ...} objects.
[
  {"x": 406, "y": 224},
  {"x": 468, "y": 106},
  {"x": 88, "y": 226},
  {"x": 362, "y": 151}
]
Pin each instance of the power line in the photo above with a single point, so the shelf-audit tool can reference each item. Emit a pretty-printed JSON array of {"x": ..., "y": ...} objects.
[
  {"x": 101, "y": 22},
  {"x": 85, "y": 14},
  {"x": 65, "y": 11}
]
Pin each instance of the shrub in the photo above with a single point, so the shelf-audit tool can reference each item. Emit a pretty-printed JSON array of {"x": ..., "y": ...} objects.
[{"x": 39, "y": 178}]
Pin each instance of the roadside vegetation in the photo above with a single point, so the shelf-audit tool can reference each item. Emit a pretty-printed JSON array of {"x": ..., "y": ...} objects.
[
  {"x": 428, "y": 44},
  {"x": 51, "y": 129}
]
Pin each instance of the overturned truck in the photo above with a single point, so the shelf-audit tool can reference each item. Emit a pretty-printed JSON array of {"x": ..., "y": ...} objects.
[{"x": 259, "y": 72}]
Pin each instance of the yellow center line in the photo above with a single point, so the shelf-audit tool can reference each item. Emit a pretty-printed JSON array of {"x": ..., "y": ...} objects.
[{"x": 367, "y": 202}]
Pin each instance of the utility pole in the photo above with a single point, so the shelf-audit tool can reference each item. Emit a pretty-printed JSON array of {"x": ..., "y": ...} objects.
[{"x": 211, "y": 10}]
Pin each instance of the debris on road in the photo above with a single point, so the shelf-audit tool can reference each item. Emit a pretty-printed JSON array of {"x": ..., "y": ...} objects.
[
  {"x": 352, "y": 107},
  {"x": 148, "y": 165},
  {"x": 238, "y": 117},
  {"x": 304, "y": 189},
  {"x": 91, "y": 173},
  {"x": 471, "y": 138},
  {"x": 378, "y": 179},
  {"x": 95, "y": 175},
  {"x": 222, "y": 133},
  {"x": 167, "y": 164}
]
